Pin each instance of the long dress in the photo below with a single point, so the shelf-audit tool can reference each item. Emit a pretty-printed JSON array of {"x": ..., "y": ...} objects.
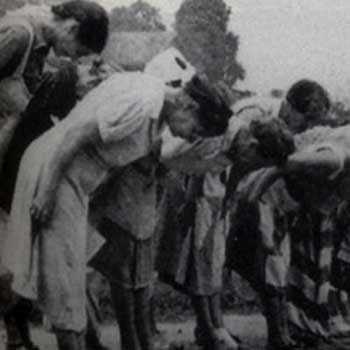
[
  {"x": 192, "y": 247},
  {"x": 314, "y": 266},
  {"x": 318, "y": 283},
  {"x": 49, "y": 266},
  {"x": 208, "y": 237}
]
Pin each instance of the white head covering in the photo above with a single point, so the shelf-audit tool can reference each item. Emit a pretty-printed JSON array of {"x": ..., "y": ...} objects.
[
  {"x": 171, "y": 67},
  {"x": 175, "y": 71}
]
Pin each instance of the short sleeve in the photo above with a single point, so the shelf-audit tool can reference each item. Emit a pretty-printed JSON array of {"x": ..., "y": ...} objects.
[
  {"x": 126, "y": 108},
  {"x": 339, "y": 153}
]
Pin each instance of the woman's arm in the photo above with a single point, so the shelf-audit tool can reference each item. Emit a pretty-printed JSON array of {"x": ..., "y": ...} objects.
[
  {"x": 73, "y": 140},
  {"x": 322, "y": 162},
  {"x": 315, "y": 163}
]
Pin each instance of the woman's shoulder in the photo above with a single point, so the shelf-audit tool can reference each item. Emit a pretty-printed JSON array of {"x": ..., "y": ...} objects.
[
  {"x": 134, "y": 88},
  {"x": 257, "y": 108},
  {"x": 14, "y": 37},
  {"x": 324, "y": 134}
]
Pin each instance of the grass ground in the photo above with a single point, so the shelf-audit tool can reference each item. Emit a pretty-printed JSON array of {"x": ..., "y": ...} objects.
[{"x": 250, "y": 328}]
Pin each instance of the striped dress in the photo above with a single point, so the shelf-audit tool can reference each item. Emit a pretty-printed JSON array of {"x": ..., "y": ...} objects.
[
  {"x": 319, "y": 275},
  {"x": 299, "y": 235}
]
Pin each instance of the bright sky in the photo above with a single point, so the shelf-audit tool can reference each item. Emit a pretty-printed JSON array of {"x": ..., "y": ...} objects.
[{"x": 285, "y": 40}]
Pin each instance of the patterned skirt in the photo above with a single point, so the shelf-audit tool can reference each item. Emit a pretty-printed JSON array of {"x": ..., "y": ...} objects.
[
  {"x": 319, "y": 275},
  {"x": 122, "y": 259}
]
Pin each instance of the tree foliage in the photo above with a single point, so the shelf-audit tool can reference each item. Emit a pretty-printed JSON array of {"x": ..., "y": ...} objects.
[
  {"x": 9, "y": 5},
  {"x": 138, "y": 17},
  {"x": 203, "y": 37},
  {"x": 6, "y": 5}
]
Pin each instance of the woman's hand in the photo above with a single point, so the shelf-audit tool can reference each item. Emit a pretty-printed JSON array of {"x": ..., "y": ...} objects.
[{"x": 42, "y": 207}]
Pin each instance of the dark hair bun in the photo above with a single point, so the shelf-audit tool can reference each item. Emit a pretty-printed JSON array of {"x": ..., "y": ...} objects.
[
  {"x": 215, "y": 110},
  {"x": 92, "y": 18},
  {"x": 303, "y": 91},
  {"x": 276, "y": 142}
]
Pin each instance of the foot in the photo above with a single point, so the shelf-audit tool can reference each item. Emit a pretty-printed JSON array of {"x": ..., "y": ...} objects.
[
  {"x": 31, "y": 346},
  {"x": 201, "y": 339},
  {"x": 216, "y": 344},
  {"x": 96, "y": 347},
  {"x": 277, "y": 345},
  {"x": 224, "y": 336},
  {"x": 14, "y": 346}
]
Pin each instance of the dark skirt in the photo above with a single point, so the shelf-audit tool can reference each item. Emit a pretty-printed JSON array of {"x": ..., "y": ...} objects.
[
  {"x": 190, "y": 267},
  {"x": 123, "y": 259}
]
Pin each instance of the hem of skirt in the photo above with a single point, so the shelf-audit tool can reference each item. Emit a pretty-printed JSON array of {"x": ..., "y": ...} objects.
[{"x": 24, "y": 291}]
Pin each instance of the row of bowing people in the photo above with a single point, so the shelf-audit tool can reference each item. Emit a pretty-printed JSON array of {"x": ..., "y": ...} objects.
[{"x": 175, "y": 179}]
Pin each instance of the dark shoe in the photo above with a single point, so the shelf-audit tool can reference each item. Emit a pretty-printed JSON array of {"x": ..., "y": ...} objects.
[
  {"x": 22, "y": 346},
  {"x": 31, "y": 346},
  {"x": 217, "y": 344},
  {"x": 14, "y": 346},
  {"x": 96, "y": 347},
  {"x": 201, "y": 339},
  {"x": 225, "y": 337}
]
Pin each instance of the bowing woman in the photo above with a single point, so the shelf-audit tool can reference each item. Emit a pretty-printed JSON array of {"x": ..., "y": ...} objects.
[
  {"x": 117, "y": 123},
  {"x": 316, "y": 181}
]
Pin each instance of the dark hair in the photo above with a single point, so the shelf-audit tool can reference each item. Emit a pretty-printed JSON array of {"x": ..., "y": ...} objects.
[
  {"x": 300, "y": 95},
  {"x": 214, "y": 111},
  {"x": 276, "y": 142},
  {"x": 93, "y": 20}
]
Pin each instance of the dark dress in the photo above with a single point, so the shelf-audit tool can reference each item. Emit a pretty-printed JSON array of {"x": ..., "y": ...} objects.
[{"x": 55, "y": 96}]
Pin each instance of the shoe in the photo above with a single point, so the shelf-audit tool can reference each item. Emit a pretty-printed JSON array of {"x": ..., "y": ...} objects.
[
  {"x": 224, "y": 336},
  {"x": 31, "y": 346},
  {"x": 201, "y": 339},
  {"x": 97, "y": 347}
]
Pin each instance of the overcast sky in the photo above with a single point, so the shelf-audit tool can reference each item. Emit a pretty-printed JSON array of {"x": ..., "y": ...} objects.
[{"x": 285, "y": 40}]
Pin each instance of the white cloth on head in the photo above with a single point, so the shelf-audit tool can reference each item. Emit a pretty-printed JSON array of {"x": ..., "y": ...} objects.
[{"x": 170, "y": 65}]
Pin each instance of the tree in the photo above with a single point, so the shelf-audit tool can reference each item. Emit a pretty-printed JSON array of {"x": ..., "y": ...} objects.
[
  {"x": 138, "y": 17},
  {"x": 9, "y": 5},
  {"x": 203, "y": 37}
]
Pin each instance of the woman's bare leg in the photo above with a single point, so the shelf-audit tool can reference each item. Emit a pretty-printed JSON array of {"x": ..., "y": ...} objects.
[
  {"x": 124, "y": 306},
  {"x": 142, "y": 317},
  {"x": 205, "y": 321},
  {"x": 218, "y": 321},
  {"x": 215, "y": 310}
]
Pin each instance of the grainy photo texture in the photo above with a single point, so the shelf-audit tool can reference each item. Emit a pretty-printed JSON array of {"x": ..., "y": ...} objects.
[{"x": 174, "y": 174}]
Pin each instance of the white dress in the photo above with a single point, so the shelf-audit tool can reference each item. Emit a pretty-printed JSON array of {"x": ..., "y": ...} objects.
[{"x": 50, "y": 266}]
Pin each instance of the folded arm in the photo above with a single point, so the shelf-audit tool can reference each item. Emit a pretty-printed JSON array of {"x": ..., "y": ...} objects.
[
  {"x": 321, "y": 162},
  {"x": 73, "y": 140}
]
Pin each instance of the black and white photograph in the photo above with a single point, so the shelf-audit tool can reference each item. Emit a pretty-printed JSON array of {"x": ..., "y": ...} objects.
[{"x": 174, "y": 174}]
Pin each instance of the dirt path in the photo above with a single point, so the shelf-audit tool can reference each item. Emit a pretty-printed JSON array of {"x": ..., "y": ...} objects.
[{"x": 251, "y": 329}]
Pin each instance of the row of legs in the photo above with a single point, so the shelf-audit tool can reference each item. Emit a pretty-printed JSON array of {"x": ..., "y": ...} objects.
[
  {"x": 132, "y": 310},
  {"x": 133, "y": 313}
]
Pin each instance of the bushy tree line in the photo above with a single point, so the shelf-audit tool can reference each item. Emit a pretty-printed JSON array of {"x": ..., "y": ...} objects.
[{"x": 203, "y": 36}]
